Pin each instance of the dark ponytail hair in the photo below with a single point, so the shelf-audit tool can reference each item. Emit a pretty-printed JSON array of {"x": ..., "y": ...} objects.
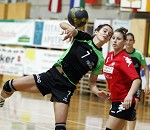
[
  {"x": 130, "y": 34},
  {"x": 123, "y": 31},
  {"x": 101, "y": 26}
]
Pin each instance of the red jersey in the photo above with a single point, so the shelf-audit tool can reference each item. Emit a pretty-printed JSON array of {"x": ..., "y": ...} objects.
[{"x": 120, "y": 73}]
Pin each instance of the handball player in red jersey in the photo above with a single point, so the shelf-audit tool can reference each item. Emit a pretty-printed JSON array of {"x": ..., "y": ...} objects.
[{"x": 123, "y": 82}]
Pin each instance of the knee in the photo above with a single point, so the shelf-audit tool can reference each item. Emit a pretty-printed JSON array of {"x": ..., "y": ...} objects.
[
  {"x": 60, "y": 126},
  {"x": 8, "y": 87}
]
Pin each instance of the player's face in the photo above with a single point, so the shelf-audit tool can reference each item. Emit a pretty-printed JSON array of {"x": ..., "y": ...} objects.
[
  {"x": 117, "y": 41},
  {"x": 104, "y": 34},
  {"x": 129, "y": 41}
]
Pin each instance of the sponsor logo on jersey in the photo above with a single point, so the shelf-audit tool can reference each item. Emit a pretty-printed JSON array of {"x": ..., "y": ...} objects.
[
  {"x": 128, "y": 60},
  {"x": 120, "y": 108},
  {"x": 38, "y": 78},
  {"x": 108, "y": 69},
  {"x": 136, "y": 65},
  {"x": 89, "y": 64}
]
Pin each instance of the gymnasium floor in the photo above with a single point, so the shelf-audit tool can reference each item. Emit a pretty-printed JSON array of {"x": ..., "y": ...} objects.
[{"x": 24, "y": 111}]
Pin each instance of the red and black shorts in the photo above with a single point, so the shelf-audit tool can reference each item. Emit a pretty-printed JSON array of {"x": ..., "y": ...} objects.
[
  {"x": 117, "y": 110},
  {"x": 55, "y": 83}
]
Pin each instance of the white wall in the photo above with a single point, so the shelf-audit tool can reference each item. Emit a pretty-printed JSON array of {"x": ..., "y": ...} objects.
[{"x": 39, "y": 9}]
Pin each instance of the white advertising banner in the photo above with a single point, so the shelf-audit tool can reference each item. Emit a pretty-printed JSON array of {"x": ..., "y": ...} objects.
[
  {"x": 51, "y": 37},
  {"x": 40, "y": 60},
  {"x": 37, "y": 33},
  {"x": 11, "y": 61},
  {"x": 18, "y": 33},
  {"x": 116, "y": 23}
]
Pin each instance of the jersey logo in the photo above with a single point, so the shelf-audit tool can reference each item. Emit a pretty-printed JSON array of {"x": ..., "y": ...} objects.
[
  {"x": 38, "y": 78},
  {"x": 136, "y": 65},
  {"x": 128, "y": 60},
  {"x": 120, "y": 108},
  {"x": 88, "y": 53},
  {"x": 90, "y": 64},
  {"x": 108, "y": 69}
]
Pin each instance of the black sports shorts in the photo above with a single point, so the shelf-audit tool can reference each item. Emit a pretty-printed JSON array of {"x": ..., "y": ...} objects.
[
  {"x": 55, "y": 83},
  {"x": 117, "y": 110}
]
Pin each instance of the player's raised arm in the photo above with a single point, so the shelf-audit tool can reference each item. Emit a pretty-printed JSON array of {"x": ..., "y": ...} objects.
[{"x": 69, "y": 30}]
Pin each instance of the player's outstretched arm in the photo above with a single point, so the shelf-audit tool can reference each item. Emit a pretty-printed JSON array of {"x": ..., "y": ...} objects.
[
  {"x": 95, "y": 90},
  {"x": 69, "y": 31}
]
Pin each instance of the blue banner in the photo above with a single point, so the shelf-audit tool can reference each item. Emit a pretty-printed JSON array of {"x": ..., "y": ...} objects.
[{"x": 38, "y": 33}]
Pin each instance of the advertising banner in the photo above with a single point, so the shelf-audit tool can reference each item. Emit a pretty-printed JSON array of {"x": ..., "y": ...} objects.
[
  {"x": 17, "y": 33},
  {"x": 116, "y": 23},
  {"x": 40, "y": 60},
  {"x": 34, "y": 33},
  {"x": 51, "y": 37},
  {"x": 11, "y": 61}
]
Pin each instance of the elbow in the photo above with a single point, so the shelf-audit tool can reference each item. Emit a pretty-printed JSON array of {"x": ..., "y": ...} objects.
[{"x": 139, "y": 81}]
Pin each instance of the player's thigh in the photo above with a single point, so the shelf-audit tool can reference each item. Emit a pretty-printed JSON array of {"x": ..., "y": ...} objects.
[
  {"x": 61, "y": 111},
  {"x": 26, "y": 83},
  {"x": 115, "y": 123}
]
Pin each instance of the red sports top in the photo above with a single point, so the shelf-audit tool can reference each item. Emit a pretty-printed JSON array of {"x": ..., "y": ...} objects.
[{"x": 120, "y": 73}]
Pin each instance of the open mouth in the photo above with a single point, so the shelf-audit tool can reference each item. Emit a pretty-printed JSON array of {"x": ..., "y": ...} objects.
[{"x": 105, "y": 37}]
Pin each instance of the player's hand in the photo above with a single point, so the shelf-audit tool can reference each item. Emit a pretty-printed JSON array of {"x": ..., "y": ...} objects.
[
  {"x": 69, "y": 34},
  {"x": 103, "y": 94},
  {"x": 127, "y": 101}
]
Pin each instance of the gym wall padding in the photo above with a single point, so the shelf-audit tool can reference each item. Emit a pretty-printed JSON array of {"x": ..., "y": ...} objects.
[
  {"x": 140, "y": 29},
  {"x": 3, "y": 11}
]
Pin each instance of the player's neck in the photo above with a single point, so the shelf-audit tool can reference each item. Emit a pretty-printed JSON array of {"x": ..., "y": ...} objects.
[
  {"x": 130, "y": 50},
  {"x": 98, "y": 43},
  {"x": 116, "y": 51}
]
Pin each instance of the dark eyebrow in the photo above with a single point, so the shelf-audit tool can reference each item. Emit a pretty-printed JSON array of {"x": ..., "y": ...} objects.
[{"x": 110, "y": 33}]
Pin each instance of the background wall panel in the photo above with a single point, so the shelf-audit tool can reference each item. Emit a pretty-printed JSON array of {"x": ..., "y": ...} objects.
[{"x": 139, "y": 27}]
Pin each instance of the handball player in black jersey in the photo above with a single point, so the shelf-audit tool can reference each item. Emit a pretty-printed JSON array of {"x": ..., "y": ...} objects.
[{"x": 84, "y": 55}]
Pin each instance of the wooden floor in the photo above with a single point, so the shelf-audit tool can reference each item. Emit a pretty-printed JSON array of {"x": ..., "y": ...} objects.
[{"x": 24, "y": 111}]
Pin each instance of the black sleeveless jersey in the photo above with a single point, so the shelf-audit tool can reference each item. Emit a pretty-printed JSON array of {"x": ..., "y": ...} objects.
[{"x": 82, "y": 56}]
